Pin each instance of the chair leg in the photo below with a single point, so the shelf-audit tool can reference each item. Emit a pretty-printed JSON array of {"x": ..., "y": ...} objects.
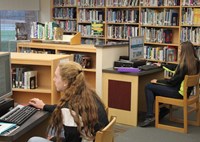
[
  {"x": 198, "y": 114},
  {"x": 157, "y": 109},
  {"x": 185, "y": 119},
  {"x": 170, "y": 113}
]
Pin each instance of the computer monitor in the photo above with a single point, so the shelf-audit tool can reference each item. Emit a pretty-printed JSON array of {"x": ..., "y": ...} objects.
[
  {"x": 136, "y": 48},
  {"x": 5, "y": 76}
]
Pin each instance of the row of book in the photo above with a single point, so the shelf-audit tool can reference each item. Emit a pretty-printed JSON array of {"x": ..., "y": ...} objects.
[
  {"x": 96, "y": 3},
  {"x": 95, "y": 41},
  {"x": 191, "y": 16},
  {"x": 63, "y": 12},
  {"x": 190, "y": 33},
  {"x": 64, "y": 2},
  {"x": 25, "y": 78},
  {"x": 89, "y": 30},
  {"x": 164, "y": 17},
  {"x": 157, "y": 35},
  {"x": 166, "y": 53},
  {"x": 121, "y": 16},
  {"x": 126, "y": 2},
  {"x": 88, "y": 15},
  {"x": 43, "y": 31},
  {"x": 122, "y": 2},
  {"x": 122, "y": 32},
  {"x": 84, "y": 60},
  {"x": 38, "y": 51},
  {"x": 91, "y": 3},
  {"x": 160, "y": 2},
  {"x": 67, "y": 26},
  {"x": 85, "y": 30},
  {"x": 190, "y": 2}
]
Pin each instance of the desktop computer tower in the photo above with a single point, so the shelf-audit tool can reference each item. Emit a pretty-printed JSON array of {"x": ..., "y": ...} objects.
[{"x": 6, "y": 105}]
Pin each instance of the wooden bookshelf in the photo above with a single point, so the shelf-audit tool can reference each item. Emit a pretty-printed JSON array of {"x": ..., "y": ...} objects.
[
  {"x": 139, "y": 18},
  {"x": 75, "y": 50},
  {"x": 45, "y": 65}
]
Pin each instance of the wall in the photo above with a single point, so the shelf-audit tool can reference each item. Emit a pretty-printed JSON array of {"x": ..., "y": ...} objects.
[
  {"x": 45, "y": 12},
  {"x": 19, "y": 4},
  {"x": 42, "y": 5}
]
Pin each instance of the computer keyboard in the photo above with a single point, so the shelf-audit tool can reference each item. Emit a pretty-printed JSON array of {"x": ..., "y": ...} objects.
[
  {"x": 19, "y": 114},
  {"x": 148, "y": 67}
]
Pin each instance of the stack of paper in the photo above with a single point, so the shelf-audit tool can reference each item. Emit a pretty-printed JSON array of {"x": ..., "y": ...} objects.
[{"x": 6, "y": 127}]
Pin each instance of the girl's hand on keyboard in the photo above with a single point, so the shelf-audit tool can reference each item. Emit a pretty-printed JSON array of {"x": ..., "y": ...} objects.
[
  {"x": 154, "y": 81},
  {"x": 157, "y": 64},
  {"x": 37, "y": 103}
]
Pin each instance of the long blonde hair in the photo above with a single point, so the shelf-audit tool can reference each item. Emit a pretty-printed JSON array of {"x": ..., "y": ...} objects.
[
  {"x": 80, "y": 98},
  {"x": 189, "y": 58}
]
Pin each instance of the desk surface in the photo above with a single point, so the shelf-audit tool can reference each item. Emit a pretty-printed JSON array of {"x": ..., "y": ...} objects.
[
  {"x": 141, "y": 73},
  {"x": 35, "y": 120}
]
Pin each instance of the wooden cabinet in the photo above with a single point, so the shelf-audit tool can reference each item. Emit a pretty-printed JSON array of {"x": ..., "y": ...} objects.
[
  {"x": 76, "y": 50},
  {"x": 45, "y": 66}
]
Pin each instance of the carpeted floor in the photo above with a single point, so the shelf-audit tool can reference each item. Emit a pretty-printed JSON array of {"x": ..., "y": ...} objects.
[
  {"x": 152, "y": 134},
  {"x": 125, "y": 133}
]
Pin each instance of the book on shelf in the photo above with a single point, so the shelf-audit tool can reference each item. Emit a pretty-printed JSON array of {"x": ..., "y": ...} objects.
[
  {"x": 21, "y": 30},
  {"x": 174, "y": 19},
  {"x": 97, "y": 28},
  {"x": 196, "y": 17},
  {"x": 30, "y": 79},
  {"x": 32, "y": 82},
  {"x": 168, "y": 36},
  {"x": 171, "y": 54}
]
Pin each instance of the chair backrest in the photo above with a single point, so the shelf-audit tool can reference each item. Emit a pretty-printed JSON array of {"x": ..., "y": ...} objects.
[
  {"x": 190, "y": 81},
  {"x": 107, "y": 133}
]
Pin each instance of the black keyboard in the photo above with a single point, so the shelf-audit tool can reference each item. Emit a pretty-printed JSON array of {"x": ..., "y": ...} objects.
[
  {"x": 148, "y": 67},
  {"x": 19, "y": 114}
]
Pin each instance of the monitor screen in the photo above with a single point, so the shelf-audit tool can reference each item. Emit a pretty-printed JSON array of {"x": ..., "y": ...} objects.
[
  {"x": 136, "y": 48},
  {"x": 5, "y": 75}
]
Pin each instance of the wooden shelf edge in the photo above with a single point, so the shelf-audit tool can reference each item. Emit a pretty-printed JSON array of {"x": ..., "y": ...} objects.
[{"x": 37, "y": 90}]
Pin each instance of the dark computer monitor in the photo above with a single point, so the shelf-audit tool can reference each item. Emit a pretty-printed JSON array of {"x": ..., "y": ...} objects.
[
  {"x": 5, "y": 76},
  {"x": 136, "y": 48}
]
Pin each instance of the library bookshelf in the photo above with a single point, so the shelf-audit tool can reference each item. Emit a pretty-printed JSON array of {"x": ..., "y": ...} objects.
[
  {"x": 45, "y": 66},
  {"x": 165, "y": 24},
  {"x": 76, "y": 50}
]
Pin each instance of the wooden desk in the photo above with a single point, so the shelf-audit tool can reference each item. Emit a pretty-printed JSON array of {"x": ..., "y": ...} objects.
[
  {"x": 123, "y": 93},
  {"x": 35, "y": 126}
]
